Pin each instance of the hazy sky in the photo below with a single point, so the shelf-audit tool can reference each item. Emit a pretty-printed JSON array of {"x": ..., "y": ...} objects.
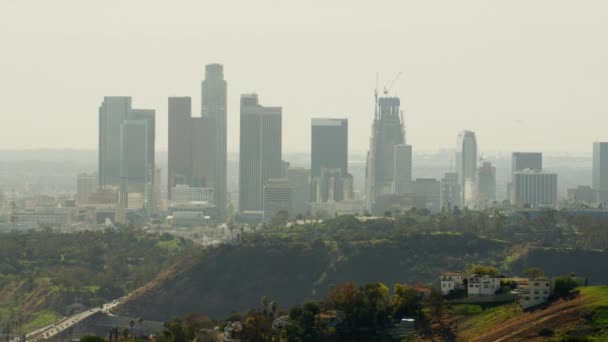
[{"x": 523, "y": 74}]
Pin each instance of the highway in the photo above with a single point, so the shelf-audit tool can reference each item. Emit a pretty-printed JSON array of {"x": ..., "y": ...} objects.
[{"x": 68, "y": 322}]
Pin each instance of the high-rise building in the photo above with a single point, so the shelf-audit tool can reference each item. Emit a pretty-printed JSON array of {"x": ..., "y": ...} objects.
[
  {"x": 535, "y": 189},
  {"x": 299, "y": 181},
  {"x": 214, "y": 105},
  {"x": 427, "y": 194},
  {"x": 403, "y": 169},
  {"x": 185, "y": 193},
  {"x": 114, "y": 110},
  {"x": 486, "y": 185},
  {"x": 192, "y": 147},
  {"x": 600, "y": 171},
  {"x": 466, "y": 162},
  {"x": 180, "y": 142},
  {"x": 387, "y": 132},
  {"x": 521, "y": 161},
  {"x": 329, "y": 145},
  {"x": 86, "y": 184},
  {"x": 134, "y": 164},
  {"x": 260, "y": 151},
  {"x": 277, "y": 198},
  {"x": 450, "y": 191},
  {"x": 149, "y": 116}
]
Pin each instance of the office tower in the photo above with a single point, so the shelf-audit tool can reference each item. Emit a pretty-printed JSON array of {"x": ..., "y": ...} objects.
[
  {"x": 86, "y": 185},
  {"x": 114, "y": 110},
  {"x": 260, "y": 151},
  {"x": 214, "y": 104},
  {"x": 427, "y": 194},
  {"x": 466, "y": 162},
  {"x": 277, "y": 198},
  {"x": 192, "y": 147},
  {"x": 535, "y": 189},
  {"x": 180, "y": 143},
  {"x": 285, "y": 165},
  {"x": 203, "y": 136},
  {"x": 600, "y": 171},
  {"x": 329, "y": 145},
  {"x": 299, "y": 181},
  {"x": 486, "y": 185},
  {"x": 403, "y": 169},
  {"x": 134, "y": 164},
  {"x": 450, "y": 191},
  {"x": 158, "y": 190},
  {"x": 387, "y": 132},
  {"x": 521, "y": 161}
]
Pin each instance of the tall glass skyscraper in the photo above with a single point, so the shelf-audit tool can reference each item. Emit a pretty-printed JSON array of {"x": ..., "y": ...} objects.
[
  {"x": 114, "y": 110},
  {"x": 214, "y": 100},
  {"x": 466, "y": 163},
  {"x": 600, "y": 171},
  {"x": 329, "y": 145}
]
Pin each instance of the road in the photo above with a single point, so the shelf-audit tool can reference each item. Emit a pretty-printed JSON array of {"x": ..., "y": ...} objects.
[{"x": 68, "y": 322}]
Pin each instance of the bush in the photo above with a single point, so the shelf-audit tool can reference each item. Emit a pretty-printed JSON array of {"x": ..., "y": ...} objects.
[{"x": 564, "y": 285}]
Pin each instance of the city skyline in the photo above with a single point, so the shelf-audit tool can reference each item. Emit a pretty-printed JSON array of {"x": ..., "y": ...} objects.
[{"x": 476, "y": 77}]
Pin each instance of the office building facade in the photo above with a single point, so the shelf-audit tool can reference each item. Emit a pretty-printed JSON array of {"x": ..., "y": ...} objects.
[
  {"x": 403, "y": 169},
  {"x": 329, "y": 145},
  {"x": 260, "y": 150},
  {"x": 277, "y": 198},
  {"x": 535, "y": 189},
  {"x": 450, "y": 191},
  {"x": 600, "y": 172},
  {"x": 466, "y": 163}
]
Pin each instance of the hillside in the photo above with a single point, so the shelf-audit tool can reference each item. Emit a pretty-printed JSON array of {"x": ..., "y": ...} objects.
[
  {"x": 43, "y": 274},
  {"x": 231, "y": 278},
  {"x": 583, "y": 316}
]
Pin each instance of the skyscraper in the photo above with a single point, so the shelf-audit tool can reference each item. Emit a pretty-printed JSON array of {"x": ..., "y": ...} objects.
[
  {"x": 427, "y": 194},
  {"x": 214, "y": 103},
  {"x": 192, "y": 147},
  {"x": 486, "y": 185},
  {"x": 387, "y": 132},
  {"x": 403, "y": 169},
  {"x": 329, "y": 145},
  {"x": 149, "y": 116},
  {"x": 600, "y": 171},
  {"x": 180, "y": 142},
  {"x": 466, "y": 162},
  {"x": 260, "y": 150},
  {"x": 114, "y": 110},
  {"x": 521, "y": 161},
  {"x": 133, "y": 163}
]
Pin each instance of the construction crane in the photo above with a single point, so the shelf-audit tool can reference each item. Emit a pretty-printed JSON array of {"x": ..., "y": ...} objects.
[{"x": 390, "y": 85}]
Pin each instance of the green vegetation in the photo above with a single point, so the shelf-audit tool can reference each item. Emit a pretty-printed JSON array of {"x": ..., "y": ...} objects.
[
  {"x": 473, "y": 320},
  {"x": 43, "y": 273}
]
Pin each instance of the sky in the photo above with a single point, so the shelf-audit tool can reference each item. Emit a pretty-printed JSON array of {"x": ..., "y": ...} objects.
[{"x": 528, "y": 75}]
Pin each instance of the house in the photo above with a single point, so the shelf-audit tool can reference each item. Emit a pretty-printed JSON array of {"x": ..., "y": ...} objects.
[
  {"x": 280, "y": 323},
  {"x": 533, "y": 292},
  {"x": 450, "y": 281},
  {"x": 478, "y": 285}
]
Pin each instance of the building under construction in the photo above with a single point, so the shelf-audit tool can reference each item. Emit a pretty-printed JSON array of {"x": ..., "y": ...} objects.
[{"x": 387, "y": 134}]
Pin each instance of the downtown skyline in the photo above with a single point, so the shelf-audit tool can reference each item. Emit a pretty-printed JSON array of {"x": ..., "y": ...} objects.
[{"x": 472, "y": 69}]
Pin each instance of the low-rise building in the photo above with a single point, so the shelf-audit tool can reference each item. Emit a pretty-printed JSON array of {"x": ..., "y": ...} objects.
[
  {"x": 533, "y": 292},
  {"x": 450, "y": 281},
  {"x": 478, "y": 285}
]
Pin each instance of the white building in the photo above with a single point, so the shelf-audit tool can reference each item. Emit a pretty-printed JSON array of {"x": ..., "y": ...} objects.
[
  {"x": 482, "y": 285},
  {"x": 534, "y": 189},
  {"x": 533, "y": 292},
  {"x": 185, "y": 193},
  {"x": 451, "y": 281}
]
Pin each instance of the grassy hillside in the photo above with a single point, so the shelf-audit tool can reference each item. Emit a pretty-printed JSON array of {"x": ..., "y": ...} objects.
[
  {"x": 231, "y": 278},
  {"x": 43, "y": 273},
  {"x": 585, "y": 317}
]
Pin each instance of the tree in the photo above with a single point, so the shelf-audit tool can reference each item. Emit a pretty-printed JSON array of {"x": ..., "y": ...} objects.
[
  {"x": 279, "y": 219},
  {"x": 564, "y": 285},
  {"x": 534, "y": 273},
  {"x": 484, "y": 270},
  {"x": 405, "y": 301}
]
